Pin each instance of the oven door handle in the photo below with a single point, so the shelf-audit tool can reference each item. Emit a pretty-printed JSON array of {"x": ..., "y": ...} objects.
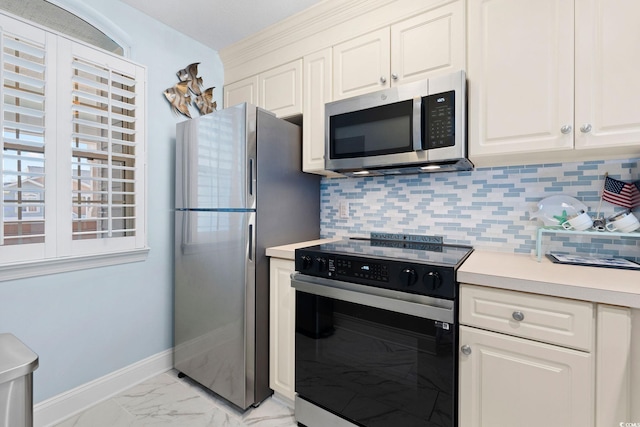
[{"x": 401, "y": 302}]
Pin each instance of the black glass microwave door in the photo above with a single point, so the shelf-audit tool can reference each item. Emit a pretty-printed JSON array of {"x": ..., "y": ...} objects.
[
  {"x": 374, "y": 367},
  {"x": 386, "y": 129},
  {"x": 438, "y": 120}
]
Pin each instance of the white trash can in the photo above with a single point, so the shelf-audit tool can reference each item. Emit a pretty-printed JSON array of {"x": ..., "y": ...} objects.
[{"x": 17, "y": 363}]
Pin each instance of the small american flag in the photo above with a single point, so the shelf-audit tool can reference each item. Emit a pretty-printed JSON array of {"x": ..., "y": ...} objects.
[{"x": 621, "y": 193}]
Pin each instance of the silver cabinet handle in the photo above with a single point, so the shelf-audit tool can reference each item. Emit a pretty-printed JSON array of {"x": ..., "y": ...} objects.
[
  {"x": 383, "y": 80},
  {"x": 566, "y": 129},
  {"x": 585, "y": 128},
  {"x": 518, "y": 315},
  {"x": 394, "y": 76},
  {"x": 465, "y": 349}
]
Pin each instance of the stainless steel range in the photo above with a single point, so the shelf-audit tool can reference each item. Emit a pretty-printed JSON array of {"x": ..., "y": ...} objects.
[{"x": 376, "y": 332}]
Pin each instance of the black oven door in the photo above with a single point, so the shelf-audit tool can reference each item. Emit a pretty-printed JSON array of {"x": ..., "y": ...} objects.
[{"x": 373, "y": 359}]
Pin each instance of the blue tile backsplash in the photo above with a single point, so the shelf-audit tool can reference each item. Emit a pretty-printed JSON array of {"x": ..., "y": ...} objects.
[{"x": 487, "y": 208}]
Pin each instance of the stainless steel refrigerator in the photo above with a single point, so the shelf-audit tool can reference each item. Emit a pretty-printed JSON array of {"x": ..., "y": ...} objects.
[{"x": 239, "y": 190}]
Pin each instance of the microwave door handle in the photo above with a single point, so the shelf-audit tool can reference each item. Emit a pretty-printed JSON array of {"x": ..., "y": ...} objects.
[{"x": 417, "y": 124}]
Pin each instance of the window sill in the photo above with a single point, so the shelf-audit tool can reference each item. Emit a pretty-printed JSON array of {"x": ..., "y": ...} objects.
[{"x": 23, "y": 270}]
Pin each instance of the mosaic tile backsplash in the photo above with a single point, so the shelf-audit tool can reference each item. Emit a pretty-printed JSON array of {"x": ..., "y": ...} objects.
[{"x": 487, "y": 208}]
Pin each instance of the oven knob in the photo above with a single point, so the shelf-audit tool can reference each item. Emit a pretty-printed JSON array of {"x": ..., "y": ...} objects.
[
  {"x": 306, "y": 262},
  {"x": 408, "y": 276},
  {"x": 432, "y": 280},
  {"x": 322, "y": 263}
]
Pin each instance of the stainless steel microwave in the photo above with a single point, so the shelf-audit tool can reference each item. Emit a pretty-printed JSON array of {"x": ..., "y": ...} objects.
[{"x": 413, "y": 128}]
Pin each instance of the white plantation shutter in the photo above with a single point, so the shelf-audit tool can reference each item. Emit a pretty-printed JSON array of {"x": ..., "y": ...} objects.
[
  {"x": 23, "y": 75},
  {"x": 73, "y": 150},
  {"x": 103, "y": 152}
]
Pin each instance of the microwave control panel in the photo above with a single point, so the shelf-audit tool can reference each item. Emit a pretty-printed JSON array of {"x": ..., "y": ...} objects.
[{"x": 438, "y": 126}]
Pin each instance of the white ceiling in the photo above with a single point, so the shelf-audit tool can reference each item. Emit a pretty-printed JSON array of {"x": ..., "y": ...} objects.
[{"x": 220, "y": 23}]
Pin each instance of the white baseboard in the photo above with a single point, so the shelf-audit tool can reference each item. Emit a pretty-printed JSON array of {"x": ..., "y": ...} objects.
[{"x": 71, "y": 402}]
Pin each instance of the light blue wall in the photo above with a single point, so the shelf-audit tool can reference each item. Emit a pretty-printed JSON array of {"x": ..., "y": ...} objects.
[
  {"x": 487, "y": 208},
  {"x": 86, "y": 324}
]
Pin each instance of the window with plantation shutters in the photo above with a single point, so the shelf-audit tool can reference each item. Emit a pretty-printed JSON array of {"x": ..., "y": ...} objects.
[{"x": 73, "y": 153}]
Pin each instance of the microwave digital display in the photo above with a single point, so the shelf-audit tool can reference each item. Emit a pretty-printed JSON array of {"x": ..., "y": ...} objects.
[
  {"x": 374, "y": 131},
  {"x": 438, "y": 126}
]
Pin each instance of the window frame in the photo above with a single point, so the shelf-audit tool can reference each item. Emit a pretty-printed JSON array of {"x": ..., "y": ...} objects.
[{"x": 59, "y": 252}]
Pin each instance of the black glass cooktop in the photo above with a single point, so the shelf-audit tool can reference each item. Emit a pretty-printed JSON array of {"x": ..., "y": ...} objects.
[{"x": 416, "y": 252}]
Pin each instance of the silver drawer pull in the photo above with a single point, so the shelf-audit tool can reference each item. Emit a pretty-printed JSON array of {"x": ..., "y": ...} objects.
[
  {"x": 518, "y": 315},
  {"x": 465, "y": 349}
]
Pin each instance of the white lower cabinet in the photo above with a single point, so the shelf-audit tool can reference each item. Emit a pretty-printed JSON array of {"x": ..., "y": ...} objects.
[
  {"x": 509, "y": 375},
  {"x": 282, "y": 315},
  {"x": 509, "y": 381}
]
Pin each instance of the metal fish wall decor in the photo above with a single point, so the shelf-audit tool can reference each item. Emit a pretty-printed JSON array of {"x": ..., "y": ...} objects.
[
  {"x": 179, "y": 96},
  {"x": 190, "y": 74},
  {"x": 205, "y": 102}
]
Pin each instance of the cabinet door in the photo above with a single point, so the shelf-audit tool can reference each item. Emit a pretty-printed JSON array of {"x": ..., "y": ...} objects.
[
  {"x": 508, "y": 381},
  {"x": 280, "y": 89},
  {"x": 520, "y": 75},
  {"x": 607, "y": 84},
  {"x": 317, "y": 91},
  {"x": 245, "y": 90},
  {"x": 361, "y": 65},
  {"x": 614, "y": 369},
  {"x": 282, "y": 314},
  {"x": 429, "y": 44}
]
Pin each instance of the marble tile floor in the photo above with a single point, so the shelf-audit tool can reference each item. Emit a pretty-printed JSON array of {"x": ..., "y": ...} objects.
[{"x": 166, "y": 400}]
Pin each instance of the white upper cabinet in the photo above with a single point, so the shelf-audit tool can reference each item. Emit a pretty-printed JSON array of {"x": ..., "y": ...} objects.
[
  {"x": 278, "y": 90},
  {"x": 607, "y": 63},
  {"x": 553, "y": 80},
  {"x": 317, "y": 92},
  {"x": 520, "y": 76},
  {"x": 361, "y": 65},
  {"x": 245, "y": 90},
  {"x": 428, "y": 44}
]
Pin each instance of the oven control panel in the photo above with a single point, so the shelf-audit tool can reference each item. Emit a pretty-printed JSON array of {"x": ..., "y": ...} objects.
[
  {"x": 436, "y": 281},
  {"x": 358, "y": 269}
]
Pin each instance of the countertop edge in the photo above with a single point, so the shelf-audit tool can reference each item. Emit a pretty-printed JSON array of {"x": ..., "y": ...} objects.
[
  {"x": 288, "y": 251},
  {"x": 515, "y": 272},
  {"x": 602, "y": 296}
]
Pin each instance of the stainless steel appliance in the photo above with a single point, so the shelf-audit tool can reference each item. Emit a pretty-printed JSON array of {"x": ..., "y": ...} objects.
[
  {"x": 417, "y": 127},
  {"x": 239, "y": 189},
  {"x": 376, "y": 332}
]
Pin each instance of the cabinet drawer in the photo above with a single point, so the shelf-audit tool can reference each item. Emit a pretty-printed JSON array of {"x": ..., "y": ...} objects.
[{"x": 565, "y": 322}]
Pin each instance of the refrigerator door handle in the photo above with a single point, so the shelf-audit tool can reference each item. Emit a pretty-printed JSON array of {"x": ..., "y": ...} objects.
[
  {"x": 251, "y": 238},
  {"x": 251, "y": 177},
  {"x": 250, "y": 242}
]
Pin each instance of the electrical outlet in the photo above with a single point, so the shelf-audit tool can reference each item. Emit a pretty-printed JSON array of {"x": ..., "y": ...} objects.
[{"x": 343, "y": 209}]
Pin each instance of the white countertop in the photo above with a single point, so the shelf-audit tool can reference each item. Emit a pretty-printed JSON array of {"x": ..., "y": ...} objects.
[
  {"x": 525, "y": 273},
  {"x": 288, "y": 251}
]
